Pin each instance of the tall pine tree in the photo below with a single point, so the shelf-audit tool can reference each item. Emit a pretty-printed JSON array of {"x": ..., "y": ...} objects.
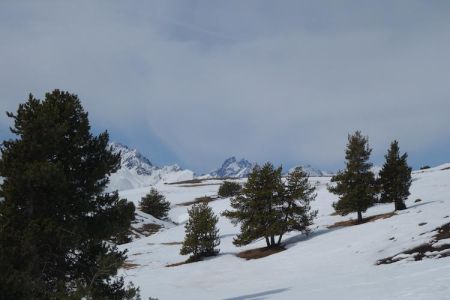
[
  {"x": 356, "y": 184},
  {"x": 395, "y": 177},
  {"x": 57, "y": 226}
]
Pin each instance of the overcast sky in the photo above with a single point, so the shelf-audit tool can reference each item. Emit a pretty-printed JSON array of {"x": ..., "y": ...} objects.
[{"x": 193, "y": 82}]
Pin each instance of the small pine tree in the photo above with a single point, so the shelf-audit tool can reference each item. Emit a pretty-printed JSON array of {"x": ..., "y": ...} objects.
[
  {"x": 202, "y": 236},
  {"x": 356, "y": 184},
  {"x": 229, "y": 189},
  {"x": 155, "y": 204},
  {"x": 267, "y": 208},
  {"x": 395, "y": 178}
]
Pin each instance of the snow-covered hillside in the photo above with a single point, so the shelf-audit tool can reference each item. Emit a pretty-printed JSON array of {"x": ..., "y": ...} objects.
[
  {"x": 137, "y": 171},
  {"x": 337, "y": 263}
]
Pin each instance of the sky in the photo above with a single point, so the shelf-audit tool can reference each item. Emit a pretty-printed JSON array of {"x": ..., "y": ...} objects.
[{"x": 195, "y": 82}]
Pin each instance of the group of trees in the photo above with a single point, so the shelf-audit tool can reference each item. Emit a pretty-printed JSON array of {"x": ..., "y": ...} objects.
[
  {"x": 266, "y": 207},
  {"x": 58, "y": 228},
  {"x": 356, "y": 185}
]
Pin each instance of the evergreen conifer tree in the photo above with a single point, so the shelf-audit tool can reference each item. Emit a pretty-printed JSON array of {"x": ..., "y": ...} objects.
[
  {"x": 356, "y": 184},
  {"x": 57, "y": 226},
  {"x": 267, "y": 208},
  {"x": 202, "y": 236},
  {"x": 296, "y": 203},
  {"x": 155, "y": 204},
  {"x": 229, "y": 189},
  {"x": 395, "y": 177}
]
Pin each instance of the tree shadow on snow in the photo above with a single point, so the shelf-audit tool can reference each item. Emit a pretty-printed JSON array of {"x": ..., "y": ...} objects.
[
  {"x": 258, "y": 296},
  {"x": 289, "y": 242}
]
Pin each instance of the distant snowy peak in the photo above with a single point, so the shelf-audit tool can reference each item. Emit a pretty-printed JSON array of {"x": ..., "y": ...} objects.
[
  {"x": 313, "y": 172},
  {"x": 133, "y": 159},
  {"x": 137, "y": 171},
  {"x": 232, "y": 167}
]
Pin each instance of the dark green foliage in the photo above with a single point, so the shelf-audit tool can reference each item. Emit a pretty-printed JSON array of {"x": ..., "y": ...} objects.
[
  {"x": 229, "y": 189},
  {"x": 395, "y": 178},
  {"x": 267, "y": 208},
  {"x": 356, "y": 184},
  {"x": 201, "y": 233},
  {"x": 57, "y": 226},
  {"x": 155, "y": 204}
]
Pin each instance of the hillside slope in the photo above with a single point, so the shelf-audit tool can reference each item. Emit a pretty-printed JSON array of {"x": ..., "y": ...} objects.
[{"x": 338, "y": 263}]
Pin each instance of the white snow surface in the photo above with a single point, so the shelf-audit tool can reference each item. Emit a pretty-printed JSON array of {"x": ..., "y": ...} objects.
[{"x": 337, "y": 263}]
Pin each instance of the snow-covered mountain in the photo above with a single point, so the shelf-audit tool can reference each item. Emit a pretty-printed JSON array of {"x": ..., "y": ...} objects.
[
  {"x": 313, "y": 172},
  {"x": 232, "y": 167},
  {"x": 137, "y": 171}
]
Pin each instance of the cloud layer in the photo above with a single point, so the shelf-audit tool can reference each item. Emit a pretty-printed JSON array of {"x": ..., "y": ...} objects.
[{"x": 198, "y": 81}]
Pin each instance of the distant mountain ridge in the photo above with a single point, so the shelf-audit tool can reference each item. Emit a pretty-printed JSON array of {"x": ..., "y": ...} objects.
[
  {"x": 313, "y": 172},
  {"x": 136, "y": 170},
  {"x": 232, "y": 167}
]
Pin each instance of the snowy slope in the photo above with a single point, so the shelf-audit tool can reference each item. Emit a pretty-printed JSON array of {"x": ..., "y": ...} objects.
[
  {"x": 337, "y": 263},
  {"x": 137, "y": 171}
]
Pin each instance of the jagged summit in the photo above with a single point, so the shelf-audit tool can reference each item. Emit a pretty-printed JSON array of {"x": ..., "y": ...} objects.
[
  {"x": 232, "y": 167},
  {"x": 136, "y": 170},
  {"x": 133, "y": 159}
]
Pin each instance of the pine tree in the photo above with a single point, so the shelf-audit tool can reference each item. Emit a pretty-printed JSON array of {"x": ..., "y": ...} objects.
[
  {"x": 57, "y": 226},
  {"x": 267, "y": 208},
  {"x": 229, "y": 189},
  {"x": 395, "y": 177},
  {"x": 356, "y": 184},
  {"x": 155, "y": 204},
  {"x": 296, "y": 204},
  {"x": 202, "y": 236}
]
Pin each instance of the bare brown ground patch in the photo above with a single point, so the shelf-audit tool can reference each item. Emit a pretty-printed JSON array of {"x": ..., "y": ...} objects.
[
  {"x": 353, "y": 222},
  {"x": 171, "y": 243},
  {"x": 424, "y": 250},
  {"x": 448, "y": 168},
  {"x": 148, "y": 229},
  {"x": 129, "y": 265},
  {"x": 205, "y": 199},
  {"x": 260, "y": 252}
]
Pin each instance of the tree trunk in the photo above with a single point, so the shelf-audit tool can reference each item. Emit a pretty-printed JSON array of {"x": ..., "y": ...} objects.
[
  {"x": 272, "y": 240},
  {"x": 267, "y": 241},
  {"x": 279, "y": 239},
  {"x": 360, "y": 219},
  {"x": 400, "y": 205}
]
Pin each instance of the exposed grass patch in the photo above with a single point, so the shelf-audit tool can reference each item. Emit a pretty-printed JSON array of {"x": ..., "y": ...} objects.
[
  {"x": 204, "y": 199},
  {"x": 200, "y": 184},
  {"x": 260, "y": 252},
  {"x": 129, "y": 265},
  {"x": 198, "y": 180},
  {"x": 353, "y": 222},
  {"x": 148, "y": 229},
  {"x": 188, "y": 261},
  {"x": 171, "y": 243},
  {"x": 428, "y": 250}
]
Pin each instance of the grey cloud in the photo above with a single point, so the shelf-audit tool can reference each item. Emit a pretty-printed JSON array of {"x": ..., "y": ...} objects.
[{"x": 255, "y": 79}]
